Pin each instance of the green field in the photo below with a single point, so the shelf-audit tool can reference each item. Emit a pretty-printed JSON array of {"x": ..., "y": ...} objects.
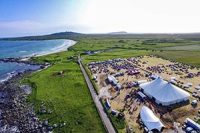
[
  {"x": 67, "y": 95},
  {"x": 122, "y": 48},
  {"x": 116, "y": 53},
  {"x": 194, "y": 47},
  {"x": 186, "y": 57}
]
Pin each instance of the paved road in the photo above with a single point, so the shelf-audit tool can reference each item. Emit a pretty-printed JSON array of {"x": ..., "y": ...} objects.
[{"x": 106, "y": 121}]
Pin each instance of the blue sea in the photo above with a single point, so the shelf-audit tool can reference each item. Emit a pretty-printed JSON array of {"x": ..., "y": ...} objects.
[{"x": 27, "y": 49}]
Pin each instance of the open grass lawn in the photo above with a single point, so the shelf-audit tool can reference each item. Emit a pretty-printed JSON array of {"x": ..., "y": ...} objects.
[
  {"x": 115, "y": 53},
  {"x": 187, "y": 57},
  {"x": 66, "y": 95},
  {"x": 195, "y": 47},
  {"x": 130, "y": 42},
  {"x": 123, "y": 47}
]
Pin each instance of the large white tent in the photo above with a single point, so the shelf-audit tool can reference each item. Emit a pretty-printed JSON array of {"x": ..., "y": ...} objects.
[
  {"x": 164, "y": 92},
  {"x": 150, "y": 120}
]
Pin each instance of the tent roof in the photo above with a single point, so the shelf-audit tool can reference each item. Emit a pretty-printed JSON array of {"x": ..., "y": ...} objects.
[
  {"x": 112, "y": 79},
  {"x": 164, "y": 91},
  {"x": 149, "y": 119}
]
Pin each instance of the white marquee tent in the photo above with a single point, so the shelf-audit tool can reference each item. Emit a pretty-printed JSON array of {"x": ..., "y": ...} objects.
[
  {"x": 164, "y": 92},
  {"x": 150, "y": 120}
]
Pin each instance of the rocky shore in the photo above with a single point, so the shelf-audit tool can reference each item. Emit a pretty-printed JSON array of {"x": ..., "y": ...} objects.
[
  {"x": 16, "y": 114},
  {"x": 25, "y": 60},
  {"x": 31, "y": 66}
]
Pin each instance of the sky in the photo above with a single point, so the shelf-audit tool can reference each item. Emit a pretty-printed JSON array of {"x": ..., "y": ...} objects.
[{"x": 36, "y": 17}]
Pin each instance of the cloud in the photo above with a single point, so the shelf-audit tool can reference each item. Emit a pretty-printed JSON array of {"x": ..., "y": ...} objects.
[{"x": 142, "y": 15}]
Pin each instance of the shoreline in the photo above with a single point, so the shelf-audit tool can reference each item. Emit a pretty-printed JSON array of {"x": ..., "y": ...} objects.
[
  {"x": 14, "y": 107},
  {"x": 18, "y": 121},
  {"x": 14, "y": 74},
  {"x": 61, "y": 48},
  {"x": 26, "y": 60}
]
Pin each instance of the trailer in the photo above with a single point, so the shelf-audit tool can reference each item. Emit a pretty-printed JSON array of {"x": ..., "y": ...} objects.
[
  {"x": 107, "y": 104},
  {"x": 190, "y": 123}
]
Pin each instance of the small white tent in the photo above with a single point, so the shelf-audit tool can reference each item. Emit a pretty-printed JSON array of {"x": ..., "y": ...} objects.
[
  {"x": 150, "y": 120},
  {"x": 164, "y": 92},
  {"x": 112, "y": 80}
]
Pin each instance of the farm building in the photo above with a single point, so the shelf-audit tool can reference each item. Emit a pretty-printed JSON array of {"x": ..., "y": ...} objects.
[
  {"x": 150, "y": 120},
  {"x": 163, "y": 92}
]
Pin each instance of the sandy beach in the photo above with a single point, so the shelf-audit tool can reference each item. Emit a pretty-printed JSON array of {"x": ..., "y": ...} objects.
[{"x": 61, "y": 48}]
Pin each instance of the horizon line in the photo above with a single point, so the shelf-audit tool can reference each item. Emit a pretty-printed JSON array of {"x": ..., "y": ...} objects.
[{"x": 107, "y": 33}]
